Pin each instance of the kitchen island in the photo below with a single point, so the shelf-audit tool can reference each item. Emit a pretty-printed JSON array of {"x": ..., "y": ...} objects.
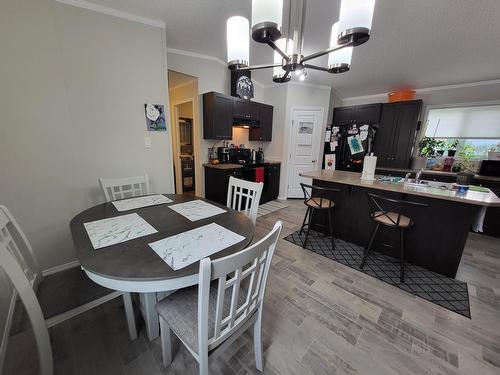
[{"x": 437, "y": 240}]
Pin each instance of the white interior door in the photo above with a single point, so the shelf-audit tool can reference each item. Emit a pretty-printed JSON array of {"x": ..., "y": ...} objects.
[{"x": 304, "y": 147}]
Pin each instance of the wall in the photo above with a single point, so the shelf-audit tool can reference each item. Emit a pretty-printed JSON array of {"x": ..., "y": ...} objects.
[{"x": 74, "y": 83}]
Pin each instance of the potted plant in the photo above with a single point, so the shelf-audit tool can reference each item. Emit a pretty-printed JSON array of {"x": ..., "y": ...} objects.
[
  {"x": 465, "y": 155},
  {"x": 452, "y": 147},
  {"x": 426, "y": 148}
]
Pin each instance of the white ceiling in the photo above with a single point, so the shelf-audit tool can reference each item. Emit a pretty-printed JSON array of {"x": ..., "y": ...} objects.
[{"x": 414, "y": 43}]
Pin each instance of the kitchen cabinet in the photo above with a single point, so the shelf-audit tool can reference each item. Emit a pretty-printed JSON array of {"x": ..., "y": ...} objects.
[
  {"x": 271, "y": 183},
  {"x": 245, "y": 109},
  {"x": 217, "y": 116},
  {"x": 395, "y": 137},
  {"x": 359, "y": 114},
  {"x": 217, "y": 183},
  {"x": 265, "y": 131}
]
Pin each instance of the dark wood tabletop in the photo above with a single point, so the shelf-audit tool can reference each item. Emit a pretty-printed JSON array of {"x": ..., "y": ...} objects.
[{"x": 134, "y": 260}]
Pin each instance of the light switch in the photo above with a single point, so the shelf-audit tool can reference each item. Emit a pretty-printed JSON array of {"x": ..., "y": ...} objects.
[{"x": 147, "y": 142}]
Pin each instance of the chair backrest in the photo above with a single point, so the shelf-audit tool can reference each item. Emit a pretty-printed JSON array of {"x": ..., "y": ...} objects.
[
  {"x": 381, "y": 207},
  {"x": 250, "y": 266},
  {"x": 18, "y": 245},
  {"x": 318, "y": 194},
  {"x": 120, "y": 188},
  {"x": 22, "y": 285},
  {"x": 244, "y": 196}
]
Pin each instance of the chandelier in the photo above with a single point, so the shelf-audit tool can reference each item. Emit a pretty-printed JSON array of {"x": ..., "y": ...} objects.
[{"x": 352, "y": 29}]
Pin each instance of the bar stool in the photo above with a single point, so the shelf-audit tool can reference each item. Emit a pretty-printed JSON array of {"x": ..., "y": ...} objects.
[
  {"x": 393, "y": 219},
  {"x": 316, "y": 198}
]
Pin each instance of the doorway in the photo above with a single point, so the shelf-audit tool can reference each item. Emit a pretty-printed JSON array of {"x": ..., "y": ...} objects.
[
  {"x": 183, "y": 95},
  {"x": 305, "y": 139}
]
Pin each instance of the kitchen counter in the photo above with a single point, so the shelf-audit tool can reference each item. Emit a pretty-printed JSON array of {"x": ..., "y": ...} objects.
[
  {"x": 438, "y": 173},
  {"x": 238, "y": 166},
  {"x": 488, "y": 199}
]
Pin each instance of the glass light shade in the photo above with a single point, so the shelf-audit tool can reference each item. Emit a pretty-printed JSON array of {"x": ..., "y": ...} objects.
[
  {"x": 267, "y": 11},
  {"x": 278, "y": 71},
  {"x": 355, "y": 15},
  {"x": 238, "y": 40},
  {"x": 341, "y": 56}
]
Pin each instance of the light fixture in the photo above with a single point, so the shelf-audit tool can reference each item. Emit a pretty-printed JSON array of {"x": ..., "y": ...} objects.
[
  {"x": 338, "y": 61},
  {"x": 238, "y": 42},
  {"x": 303, "y": 74},
  {"x": 353, "y": 29}
]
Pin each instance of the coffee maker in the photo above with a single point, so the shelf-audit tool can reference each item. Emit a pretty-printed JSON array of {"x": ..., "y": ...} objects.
[{"x": 223, "y": 154}]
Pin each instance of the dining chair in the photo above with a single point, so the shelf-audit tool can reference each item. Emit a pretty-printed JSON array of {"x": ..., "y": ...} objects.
[
  {"x": 23, "y": 288},
  {"x": 64, "y": 294},
  {"x": 392, "y": 214},
  {"x": 317, "y": 198},
  {"x": 244, "y": 196},
  {"x": 208, "y": 317},
  {"x": 120, "y": 188}
]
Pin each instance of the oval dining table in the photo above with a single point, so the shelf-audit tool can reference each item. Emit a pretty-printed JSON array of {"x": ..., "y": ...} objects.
[{"x": 132, "y": 266}]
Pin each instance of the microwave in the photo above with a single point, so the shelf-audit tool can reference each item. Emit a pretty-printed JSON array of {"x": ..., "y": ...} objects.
[{"x": 490, "y": 168}]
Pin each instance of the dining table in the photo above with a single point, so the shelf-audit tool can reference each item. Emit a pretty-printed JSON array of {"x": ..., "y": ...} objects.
[{"x": 133, "y": 266}]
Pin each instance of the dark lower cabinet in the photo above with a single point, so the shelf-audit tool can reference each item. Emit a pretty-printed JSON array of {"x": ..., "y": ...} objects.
[{"x": 217, "y": 182}]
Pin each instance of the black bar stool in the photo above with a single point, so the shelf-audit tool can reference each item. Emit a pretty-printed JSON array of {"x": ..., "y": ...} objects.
[
  {"x": 393, "y": 218},
  {"x": 317, "y": 198}
]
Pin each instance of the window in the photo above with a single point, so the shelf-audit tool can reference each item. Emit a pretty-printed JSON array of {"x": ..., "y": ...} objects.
[{"x": 476, "y": 128}]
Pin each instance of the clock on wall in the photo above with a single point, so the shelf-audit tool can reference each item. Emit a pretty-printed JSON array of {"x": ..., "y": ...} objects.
[{"x": 242, "y": 85}]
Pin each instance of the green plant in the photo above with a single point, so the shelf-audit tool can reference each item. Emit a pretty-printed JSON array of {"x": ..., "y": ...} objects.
[
  {"x": 467, "y": 152},
  {"x": 429, "y": 145},
  {"x": 452, "y": 144}
]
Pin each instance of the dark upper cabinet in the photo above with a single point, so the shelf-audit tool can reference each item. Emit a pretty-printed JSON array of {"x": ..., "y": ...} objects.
[
  {"x": 359, "y": 114},
  {"x": 265, "y": 131},
  {"x": 245, "y": 109},
  {"x": 395, "y": 138},
  {"x": 217, "y": 116}
]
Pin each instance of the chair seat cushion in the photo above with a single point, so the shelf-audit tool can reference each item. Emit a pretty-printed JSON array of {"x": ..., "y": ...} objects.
[
  {"x": 319, "y": 202},
  {"x": 390, "y": 219},
  {"x": 180, "y": 311}
]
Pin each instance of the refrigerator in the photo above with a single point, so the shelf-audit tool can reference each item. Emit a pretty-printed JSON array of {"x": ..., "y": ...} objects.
[{"x": 348, "y": 145}]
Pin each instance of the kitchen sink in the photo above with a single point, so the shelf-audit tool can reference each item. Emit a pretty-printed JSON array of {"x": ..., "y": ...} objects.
[{"x": 428, "y": 184}]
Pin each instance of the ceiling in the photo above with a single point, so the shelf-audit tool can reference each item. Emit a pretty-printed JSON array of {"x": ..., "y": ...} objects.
[{"x": 414, "y": 43}]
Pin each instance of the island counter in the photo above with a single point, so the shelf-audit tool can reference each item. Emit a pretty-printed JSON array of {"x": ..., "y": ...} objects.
[{"x": 437, "y": 240}]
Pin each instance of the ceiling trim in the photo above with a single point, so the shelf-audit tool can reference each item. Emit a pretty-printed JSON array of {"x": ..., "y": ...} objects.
[
  {"x": 113, "y": 12},
  {"x": 431, "y": 89}
]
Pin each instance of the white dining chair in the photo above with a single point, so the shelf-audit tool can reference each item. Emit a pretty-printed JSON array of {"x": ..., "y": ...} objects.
[
  {"x": 23, "y": 287},
  {"x": 64, "y": 294},
  {"x": 244, "y": 196},
  {"x": 120, "y": 188},
  {"x": 208, "y": 317}
]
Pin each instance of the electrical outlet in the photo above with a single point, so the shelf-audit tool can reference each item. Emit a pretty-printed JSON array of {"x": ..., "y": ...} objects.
[{"x": 147, "y": 142}]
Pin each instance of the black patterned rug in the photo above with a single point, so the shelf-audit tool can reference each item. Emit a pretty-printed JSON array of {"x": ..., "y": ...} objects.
[{"x": 441, "y": 290}]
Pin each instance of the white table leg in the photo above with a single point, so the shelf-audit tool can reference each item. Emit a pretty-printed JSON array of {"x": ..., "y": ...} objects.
[
  {"x": 129, "y": 312},
  {"x": 148, "y": 301}
]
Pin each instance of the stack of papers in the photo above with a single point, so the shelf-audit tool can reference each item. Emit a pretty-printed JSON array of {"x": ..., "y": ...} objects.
[
  {"x": 107, "y": 232},
  {"x": 139, "y": 202},
  {"x": 197, "y": 209},
  {"x": 189, "y": 247}
]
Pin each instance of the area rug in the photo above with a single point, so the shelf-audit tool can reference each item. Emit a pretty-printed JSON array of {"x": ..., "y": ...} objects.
[
  {"x": 443, "y": 291},
  {"x": 270, "y": 207}
]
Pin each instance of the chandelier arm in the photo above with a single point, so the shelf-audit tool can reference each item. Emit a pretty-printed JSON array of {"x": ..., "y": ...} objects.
[
  {"x": 256, "y": 67},
  {"x": 316, "y": 67},
  {"x": 275, "y": 47},
  {"x": 327, "y": 51}
]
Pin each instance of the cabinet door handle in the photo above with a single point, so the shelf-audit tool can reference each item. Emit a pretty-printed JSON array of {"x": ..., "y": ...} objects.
[{"x": 314, "y": 161}]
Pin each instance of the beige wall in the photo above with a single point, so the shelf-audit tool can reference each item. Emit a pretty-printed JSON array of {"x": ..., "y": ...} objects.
[{"x": 74, "y": 83}]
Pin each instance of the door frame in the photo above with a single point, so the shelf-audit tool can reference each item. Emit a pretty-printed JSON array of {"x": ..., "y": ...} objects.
[
  {"x": 177, "y": 149},
  {"x": 288, "y": 149}
]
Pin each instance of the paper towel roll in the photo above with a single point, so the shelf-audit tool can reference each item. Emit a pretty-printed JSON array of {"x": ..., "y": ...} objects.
[{"x": 369, "y": 166}]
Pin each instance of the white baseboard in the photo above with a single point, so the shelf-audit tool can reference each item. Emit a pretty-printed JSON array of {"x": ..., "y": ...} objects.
[
  {"x": 60, "y": 268},
  {"x": 6, "y": 332},
  {"x": 282, "y": 198}
]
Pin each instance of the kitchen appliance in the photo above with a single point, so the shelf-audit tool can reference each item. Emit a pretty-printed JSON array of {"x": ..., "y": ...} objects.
[
  {"x": 490, "y": 168},
  {"x": 223, "y": 154},
  {"x": 351, "y": 143},
  {"x": 254, "y": 155},
  {"x": 240, "y": 155},
  {"x": 260, "y": 156}
]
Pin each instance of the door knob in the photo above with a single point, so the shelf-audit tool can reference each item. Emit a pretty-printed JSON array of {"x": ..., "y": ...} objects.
[{"x": 314, "y": 161}]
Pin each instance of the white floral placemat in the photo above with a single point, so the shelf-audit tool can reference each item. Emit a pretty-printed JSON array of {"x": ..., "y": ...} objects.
[
  {"x": 197, "y": 209},
  {"x": 139, "y": 202},
  {"x": 107, "y": 232},
  {"x": 189, "y": 247}
]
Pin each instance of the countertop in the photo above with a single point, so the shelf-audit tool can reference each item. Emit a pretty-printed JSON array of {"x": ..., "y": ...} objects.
[
  {"x": 238, "y": 166},
  {"x": 439, "y": 173},
  {"x": 488, "y": 199}
]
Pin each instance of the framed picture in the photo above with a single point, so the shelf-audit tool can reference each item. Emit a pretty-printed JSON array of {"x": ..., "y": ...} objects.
[{"x": 155, "y": 117}]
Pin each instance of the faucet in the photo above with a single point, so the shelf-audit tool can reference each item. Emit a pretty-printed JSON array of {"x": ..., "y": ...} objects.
[
  {"x": 407, "y": 177},
  {"x": 418, "y": 175}
]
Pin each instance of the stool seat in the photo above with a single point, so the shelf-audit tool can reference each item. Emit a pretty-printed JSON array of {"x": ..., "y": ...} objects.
[
  {"x": 320, "y": 203},
  {"x": 391, "y": 218}
]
